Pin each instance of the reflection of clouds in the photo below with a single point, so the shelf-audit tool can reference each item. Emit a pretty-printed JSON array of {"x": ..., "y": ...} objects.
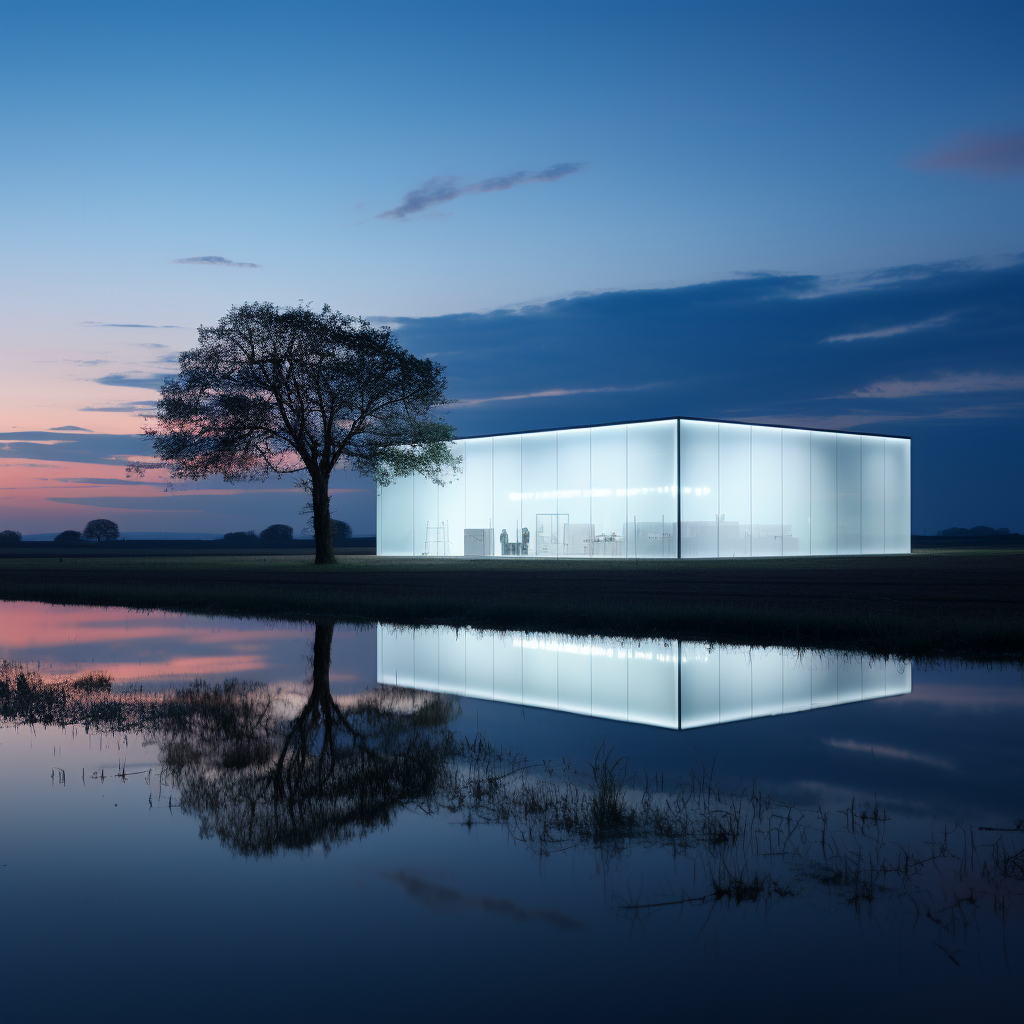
[
  {"x": 28, "y": 624},
  {"x": 183, "y": 668},
  {"x": 444, "y": 898},
  {"x": 162, "y": 649},
  {"x": 895, "y": 753}
]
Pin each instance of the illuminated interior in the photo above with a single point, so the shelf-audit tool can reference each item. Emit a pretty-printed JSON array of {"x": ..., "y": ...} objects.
[{"x": 661, "y": 489}]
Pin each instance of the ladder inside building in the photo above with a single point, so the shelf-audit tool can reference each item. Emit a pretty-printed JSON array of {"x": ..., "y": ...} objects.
[{"x": 436, "y": 540}]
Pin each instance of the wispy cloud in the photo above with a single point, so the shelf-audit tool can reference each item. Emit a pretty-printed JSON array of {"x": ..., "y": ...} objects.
[
  {"x": 890, "y": 332},
  {"x": 847, "y": 421},
  {"x": 948, "y": 384},
  {"x": 550, "y": 393},
  {"x": 445, "y": 188},
  {"x": 159, "y": 327},
  {"x": 71, "y": 426},
  {"x": 73, "y": 446},
  {"x": 894, "y": 753},
  {"x": 105, "y": 481},
  {"x": 142, "y": 407},
  {"x": 991, "y": 153},
  {"x": 216, "y": 261},
  {"x": 124, "y": 380}
]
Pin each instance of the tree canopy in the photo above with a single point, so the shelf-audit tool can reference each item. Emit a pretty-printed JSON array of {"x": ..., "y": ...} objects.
[
  {"x": 9, "y": 536},
  {"x": 271, "y": 391},
  {"x": 277, "y": 532},
  {"x": 101, "y": 529}
]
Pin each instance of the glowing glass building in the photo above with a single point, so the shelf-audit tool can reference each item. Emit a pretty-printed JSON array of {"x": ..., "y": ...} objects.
[{"x": 678, "y": 488}]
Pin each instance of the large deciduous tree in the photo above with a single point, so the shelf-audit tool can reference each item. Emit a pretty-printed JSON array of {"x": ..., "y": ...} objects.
[
  {"x": 101, "y": 530},
  {"x": 272, "y": 391}
]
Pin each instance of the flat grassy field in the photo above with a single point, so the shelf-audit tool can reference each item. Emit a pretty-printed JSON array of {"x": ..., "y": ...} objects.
[{"x": 935, "y": 604}]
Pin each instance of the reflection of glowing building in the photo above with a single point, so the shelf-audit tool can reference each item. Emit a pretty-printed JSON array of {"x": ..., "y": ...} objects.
[
  {"x": 653, "y": 682},
  {"x": 661, "y": 489}
]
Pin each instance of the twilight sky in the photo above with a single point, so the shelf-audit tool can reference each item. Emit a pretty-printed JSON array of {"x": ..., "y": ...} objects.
[{"x": 792, "y": 213}]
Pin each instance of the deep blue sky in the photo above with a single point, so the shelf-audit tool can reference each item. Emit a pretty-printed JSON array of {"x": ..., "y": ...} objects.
[{"x": 683, "y": 201}]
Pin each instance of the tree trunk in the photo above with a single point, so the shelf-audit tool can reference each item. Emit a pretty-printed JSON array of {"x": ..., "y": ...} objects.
[
  {"x": 322, "y": 638},
  {"x": 322, "y": 521}
]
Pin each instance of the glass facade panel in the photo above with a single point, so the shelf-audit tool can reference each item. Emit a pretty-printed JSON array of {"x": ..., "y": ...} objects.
[
  {"x": 508, "y": 499},
  {"x": 479, "y": 664},
  {"x": 850, "y": 681},
  {"x": 897, "y": 495},
  {"x": 396, "y": 521},
  {"x": 451, "y": 506},
  {"x": 698, "y": 483},
  {"x": 796, "y": 492},
  {"x": 608, "y": 490},
  {"x": 478, "y": 533},
  {"x": 451, "y": 661},
  {"x": 653, "y": 683},
  {"x": 574, "y": 691},
  {"x": 576, "y": 537},
  {"x": 395, "y": 647},
  {"x": 796, "y": 681},
  {"x": 540, "y": 671},
  {"x": 873, "y": 678},
  {"x": 651, "y": 490},
  {"x": 541, "y": 523},
  {"x": 662, "y": 489},
  {"x": 824, "y": 671},
  {"x": 425, "y": 655},
  {"x": 765, "y": 491},
  {"x": 848, "y": 493},
  {"x": 823, "y": 493},
  {"x": 699, "y": 702},
  {"x": 766, "y": 678},
  {"x": 508, "y": 668},
  {"x": 897, "y": 677},
  {"x": 734, "y": 682},
  {"x": 733, "y": 490},
  {"x": 427, "y": 535},
  {"x": 872, "y": 495},
  {"x": 609, "y": 680}
]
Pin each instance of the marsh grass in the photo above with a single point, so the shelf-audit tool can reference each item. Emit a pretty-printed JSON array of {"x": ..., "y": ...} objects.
[
  {"x": 748, "y": 849},
  {"x": 261, "y": 778}
]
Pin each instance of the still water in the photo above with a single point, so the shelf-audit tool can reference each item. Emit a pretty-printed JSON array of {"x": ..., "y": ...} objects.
[{"x": 384, "y": 821}]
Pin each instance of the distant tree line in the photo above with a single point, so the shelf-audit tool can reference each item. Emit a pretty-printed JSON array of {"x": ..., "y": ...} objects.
[
  {"x": 974, "y": 531},
  {"x": 279, "y": 532},
  {"x": 95, "y": 529},
  {"x": 99, "y": 530},
  {"x": 102, "y": 530}
]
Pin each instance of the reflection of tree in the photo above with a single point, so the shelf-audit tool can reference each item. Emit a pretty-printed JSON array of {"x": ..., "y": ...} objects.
[{"x": 334, "y": 772}]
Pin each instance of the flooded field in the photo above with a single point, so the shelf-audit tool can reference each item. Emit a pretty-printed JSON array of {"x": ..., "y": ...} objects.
[{"x": 250, "y": 817}]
